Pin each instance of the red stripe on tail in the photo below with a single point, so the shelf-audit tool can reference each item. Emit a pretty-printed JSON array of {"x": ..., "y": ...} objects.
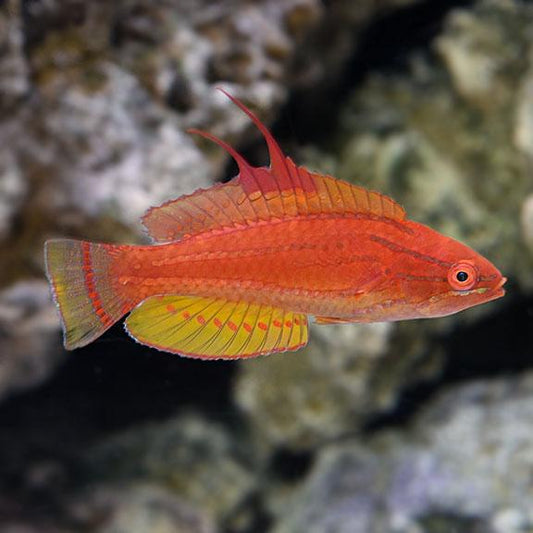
[
  {"x": 90, "y": 284},
  {"x": 88, "y": 300}
]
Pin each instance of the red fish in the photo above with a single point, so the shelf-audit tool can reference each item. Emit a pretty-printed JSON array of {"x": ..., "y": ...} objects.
[{"x": 236, "y": 270}]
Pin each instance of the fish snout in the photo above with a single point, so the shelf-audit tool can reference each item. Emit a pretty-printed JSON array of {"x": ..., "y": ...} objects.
[{"x": 498, "y": 288}]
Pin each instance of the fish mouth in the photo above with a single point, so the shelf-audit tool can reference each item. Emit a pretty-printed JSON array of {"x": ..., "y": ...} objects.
[{"x": 499, "y": 290}]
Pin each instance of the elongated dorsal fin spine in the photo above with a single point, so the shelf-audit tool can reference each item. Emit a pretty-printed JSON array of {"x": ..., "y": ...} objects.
[
  {"x": 245, "y": 169},
  {"x": 277, "y": 158}
]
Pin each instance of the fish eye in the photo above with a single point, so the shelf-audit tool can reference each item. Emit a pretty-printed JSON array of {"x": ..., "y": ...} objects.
[{"x": 462, "y": 276}]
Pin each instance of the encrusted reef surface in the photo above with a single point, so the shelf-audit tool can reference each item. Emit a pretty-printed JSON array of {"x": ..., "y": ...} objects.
[
  {"x": 463, "y": 464},
  {"x": 412, "y": 427}
]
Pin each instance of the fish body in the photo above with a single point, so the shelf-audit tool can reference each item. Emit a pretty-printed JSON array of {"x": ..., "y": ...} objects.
[
  {"x": 237, "y": 269},
  {"x": 323, "y": 266}
]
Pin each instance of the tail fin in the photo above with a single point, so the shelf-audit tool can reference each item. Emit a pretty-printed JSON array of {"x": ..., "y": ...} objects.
[{"x": 83, "y": 290}]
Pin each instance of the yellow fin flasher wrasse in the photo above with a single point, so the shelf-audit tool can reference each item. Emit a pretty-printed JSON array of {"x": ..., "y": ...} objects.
[{"x": 236, "y": 270}]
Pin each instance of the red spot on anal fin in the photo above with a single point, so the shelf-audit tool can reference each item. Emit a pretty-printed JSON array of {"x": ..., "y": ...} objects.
[
  {"x": 186, "y": 315},
  {"x": 171, "y": 309},
  {"x": 200, "y": 319},
  {"x": 247, "y": 327},
  {"x": 288, "y": 323},
  {"x": 217, "y": 323},
  {"x": 262, "y": 325},
  {"x": 232, "y": 326},
  {"x": 277, "y": 323}
]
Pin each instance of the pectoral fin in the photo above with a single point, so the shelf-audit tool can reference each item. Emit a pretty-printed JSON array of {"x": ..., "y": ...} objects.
[{"x": 322, "y": 320}]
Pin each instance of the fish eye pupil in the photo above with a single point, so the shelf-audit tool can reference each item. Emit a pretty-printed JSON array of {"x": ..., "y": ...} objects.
[{"x": 461, "y": 276}]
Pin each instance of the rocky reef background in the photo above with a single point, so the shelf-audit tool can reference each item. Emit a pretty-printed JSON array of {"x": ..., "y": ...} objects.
[{"x": 423, "y": 426}]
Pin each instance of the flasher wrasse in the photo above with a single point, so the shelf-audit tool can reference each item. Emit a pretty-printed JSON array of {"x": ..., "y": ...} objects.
[{"x": 236, "y": 270}]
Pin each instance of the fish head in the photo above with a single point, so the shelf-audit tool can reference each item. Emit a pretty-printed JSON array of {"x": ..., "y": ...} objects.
[{"x": 446, "y": 276}]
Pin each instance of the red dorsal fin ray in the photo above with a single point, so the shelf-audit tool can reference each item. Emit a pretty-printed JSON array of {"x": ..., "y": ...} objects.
[
  {"x": 263, "y": 193},
  {"x": 278, "y": 168},
  {"x": 245, "y": 170}
]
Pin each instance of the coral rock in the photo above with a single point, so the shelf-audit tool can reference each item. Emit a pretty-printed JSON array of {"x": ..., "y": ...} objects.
[{"x": 463, "y": 466}]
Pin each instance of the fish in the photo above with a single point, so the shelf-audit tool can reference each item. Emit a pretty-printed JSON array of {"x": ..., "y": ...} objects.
[{"x": 240, "y": 269}]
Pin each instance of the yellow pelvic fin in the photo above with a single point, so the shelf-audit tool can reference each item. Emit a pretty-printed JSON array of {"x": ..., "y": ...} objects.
[{"x": 214, "y": 328}]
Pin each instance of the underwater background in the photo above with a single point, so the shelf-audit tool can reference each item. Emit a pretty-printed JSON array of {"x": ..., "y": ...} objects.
[{"x": 410, "y": 427}]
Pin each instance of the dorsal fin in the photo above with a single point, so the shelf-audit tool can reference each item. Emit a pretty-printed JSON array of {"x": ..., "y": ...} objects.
[
  {"x": 260, "y": 193},
  {"x": 277, "y": 159},
  {"x": 245, "y": 170}
]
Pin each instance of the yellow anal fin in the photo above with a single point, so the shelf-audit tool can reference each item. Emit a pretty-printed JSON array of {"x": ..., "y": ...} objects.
[{"x": 215, "y": 329}]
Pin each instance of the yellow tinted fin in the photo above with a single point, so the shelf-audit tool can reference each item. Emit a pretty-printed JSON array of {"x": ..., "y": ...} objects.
[
  {"x": 215, "y": 329},
  {"x": 87, "y": 296}
]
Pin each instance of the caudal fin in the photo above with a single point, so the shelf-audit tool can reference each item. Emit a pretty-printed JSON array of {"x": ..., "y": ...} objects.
[{"x": 83, "y": 290}]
